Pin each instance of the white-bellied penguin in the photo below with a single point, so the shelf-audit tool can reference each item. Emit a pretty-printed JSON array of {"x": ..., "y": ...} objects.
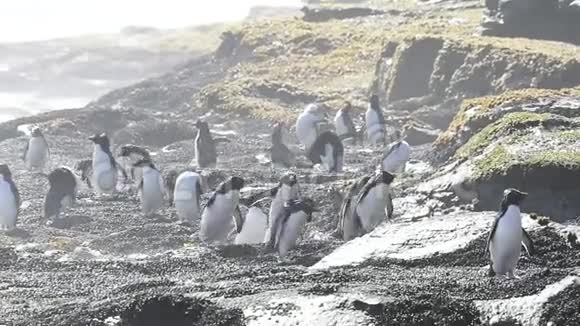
[
  {"x": 221, "y": 214},
  {"x": 347, "y": 226},
  {"x": 105, "y": 168},
  {"x": 505, "y": 240},
  {"x": 9, "y": 199},
  {"x": 132, "y": 154},
  {"x": 205, "y": 146},
  {"x": 307, "y": 125},
  {"x": 37, "y": 151},
  {"x": 328, "y": 151},
  {"x": 151, "y": 188},
  {"x": 62, "y": 192},
  {"x": 187, "y": 196},
  {"x": 396, "y": 156},
  {"x": 255, "y": 224},
  {"x": 344, "y": 125},
  {"x": 375, "y": 122},
  {"x": 280, "y": 154},
  {"x": 373, "y": 204},
  {"x": 290, "y": 225},
  {"x": 287, "y": 189}
]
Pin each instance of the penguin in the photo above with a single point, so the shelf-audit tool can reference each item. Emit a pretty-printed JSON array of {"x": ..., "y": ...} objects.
[
  {"x": 290, "y": 224},
  {"x": 255, "y": 225},
  {"x": 375, "y": 122},
  {"x": 216, "y": 218},
  {"x": 287, "y": 189},
  {"x": 62, "y": 192},
  {"x": 187, "y": 196},
  {"x": 507, "y": 235},
  {"x": 131, "y": 154},
  {"x": 344, "y": 125},
  {"x": 150, "y": 187},
  {"x": 9, "y": 199},
  {"x": 205, "y": 146},
  {"x": 396, "y": 156},
  {"x": 328, "y": 151},
  {"x": 373, "y": 204},
  {"x": 280, "y": 154},
  {"x": 37, "y": 151},
  {"x": 105, "y": 167},
  {"x": 169, "y": 181},
  {"x": 346, "y": 224},
  {"x": 85, "y": 167},
  {"x": 307, "y": 125}
]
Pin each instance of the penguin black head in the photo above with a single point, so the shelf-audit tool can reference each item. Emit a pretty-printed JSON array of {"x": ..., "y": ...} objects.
[
  {"x": 144, "y": 163},
  {"x": 101, "y": 139},
  {"x": 289, "y": 179},
  {"x": 202, "y": 125},
  {"x": 512, "y": 196},
  {"x": 36, "y": 132},
  {"x": 347, "y": 108},
  {"x": 5, "y": 171},
  {"x": 61, "y": 176},
  {"x": 387, "y": 178},
  {"x": 374, "y": 101},
  {"x": 235, "y": 183}
]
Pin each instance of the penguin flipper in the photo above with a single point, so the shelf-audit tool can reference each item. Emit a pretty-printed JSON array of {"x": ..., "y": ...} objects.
[
  {"x": 390, "y": 207},
  {"x": 25, "y": 151},
  {"x": 238, "y": 219},
  {"x": 528, "y": 243},
  {"x": 492, "y": 233},
  {"x": 46, "y": 144}
]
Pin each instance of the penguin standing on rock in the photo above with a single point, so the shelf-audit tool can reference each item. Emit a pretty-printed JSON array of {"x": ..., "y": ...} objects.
[
  {"x": 290, "y": 225},
  {"x": 396, "y": 156},
  {"x": 187, "y": 196},
  {"x": 217, "y": 219},
  {"x": 507, "y": 236},
  {"x": 104, "y": 165},
  {"x": 255, "y": 224},
  {"x": 205, "y": 146},
  {"x": 347, "y": 227},
  {"x": 307, "y": 125},
  {"x": 373, "y": 204},
  {"x": 286, "y": 190},
  {"x": 132, "y": 154},
  {"x": 150, "y": 188},
  {"x": 280, "y": 154},
  {"x": 61, "y": 194},
  {"x": 9, "y": 199},
  {"x": 37, "y": 151},
  {"x": 375, "y": 122},
  {"x": 344, "y": 125},
  {"x": 328, "y": 151}
]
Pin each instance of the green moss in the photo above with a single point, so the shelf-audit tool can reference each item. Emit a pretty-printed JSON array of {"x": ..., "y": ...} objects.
[
  {"x": 498, "y": 160},
  {"x": 566, "y": 158}
]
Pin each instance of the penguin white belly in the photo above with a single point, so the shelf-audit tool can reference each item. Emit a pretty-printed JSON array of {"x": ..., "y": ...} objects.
[
  {"x": 395, "y": 162},
  {"x": 8, "y": 209},
  {"x": 375, "y": 130},
  {"x": 275, "y": 209},
  {"x": 306, "y": 131},
  {"x": 349, "y": 230},
  {"x": 185, "y": 197},
  {"x": 151, "y": 193},
  {"x": 217, "y": 220},
  {"x": 254, "y": 227},
  {"x": 327, "y": 157},
  {"x": 371, "y": 210},
  {"x": 37, "y": 153},
  {"x": 505, "y": 247},
  {"x": 341, "y": 128},
  {"x": 104, "y": 174},
  {"x": 290, "y": 233}
]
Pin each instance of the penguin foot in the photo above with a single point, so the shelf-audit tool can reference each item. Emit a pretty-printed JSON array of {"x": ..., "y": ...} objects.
[{"x": 513, "y": 276}]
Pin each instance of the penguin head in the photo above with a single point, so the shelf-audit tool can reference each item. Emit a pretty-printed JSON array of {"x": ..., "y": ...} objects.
[
  {"x": 513, "y": 196},
  {"x": 143, "y": 163},
  {"x": 374, "y": 102},
  {"x": 5, "y": 171},
  {"x": 315, "y": 111},
  {"x": 202, "y": 126},
  {"x": 289, "y": 186},
  {"x": 59, "y": 176},
  {"x": 386, "y": 177},
  {"x": 235, "y": 183},
  {"x": 347, "y": 108},
  {"x": 289, "y": 179},
  {"x": 36, "y": 132},
  {"x": 101, "y": 139}
]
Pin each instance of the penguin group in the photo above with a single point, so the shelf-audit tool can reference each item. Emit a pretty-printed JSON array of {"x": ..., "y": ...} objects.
[{"x": 277, "y": 217}]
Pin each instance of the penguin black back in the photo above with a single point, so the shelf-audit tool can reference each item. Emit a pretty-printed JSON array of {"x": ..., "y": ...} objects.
[
  {"x": 279, "y": 152},
  {"x": 233, "y": 183},
  {"x": 85, "y": 167},
  {"x": 375, "y": 106},
  {"x": 345, "y": 113},
  {"x": 383, "y": 177},
  {"x": 319, "y": 148},
  {"x": 205, "y": 148},
  {"x": 105, "y": 144},
  {"x": 128, "y": 150},
  {"x": 63, "y": 184},
  {"x": 7, "y": 175}
]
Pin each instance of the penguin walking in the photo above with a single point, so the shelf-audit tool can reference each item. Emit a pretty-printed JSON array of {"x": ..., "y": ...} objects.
[
  {"x": 9, "y": 199},
  {"x": 62, "y": 192},
  {"x": 373, "y": 204},
  {"x": 280, "y": 154},
  {"x": 132, "y": 154},
  {"x": 85, "y": 167},
  {"x": 287, "y": 189},
  {"x": 328, "y": 151},
  {"x": 375, "y": 122},
  {"x": 290, "y": 225},
  {"x": 104, "y": 166},
  {"x": 187, "y": 196},
  {"x": 346, "y": 224},
  {"x": 507, "y": 235},
  {"x": 37, "y": 151},
  {"x": 221, "y": 214},
  {"x": 255, "y": 224},
  {"x": 344, "y": 125},
  {"x": 396, "y": 156},
  {"x": 307, "y": 125},
  {"x": 205, "y": 146},
  {"x": 150, "y": 188}
]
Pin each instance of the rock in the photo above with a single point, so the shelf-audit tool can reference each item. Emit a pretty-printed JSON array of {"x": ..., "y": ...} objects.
[
  {"x": 416, "y": 134},
  {"x": 325, "y": 14}
]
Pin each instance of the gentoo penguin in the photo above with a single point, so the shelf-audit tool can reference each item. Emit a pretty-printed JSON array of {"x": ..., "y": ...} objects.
[
  {"x": 373, "y": 204},
  {"x": 9, "y": 199},
  {"x": 187, "y": 196},
  {"x": 132, "y": 154},
  {"x": 85, "y": 167},
  {"x": 217, "y": 219},
  {"x": 344, "y": 125},
  {"x": 150, "y": 188},
  {"x": 62, "y": 192},
  {"x": 280, "y": 154},
  {"x": 287, "y": 189},
  {"x": 36, "y": 152},
  {"x": 327, "y": 150},
  {"x": 307, "y": 125},
  {"x": 290, "y": 224},
  {"x": 375, "y": 122},
  {"x": 104, "y": 177},
  {"x": 507, "y": 235},
  {"x": 255, "y": 224},
  {"x": 396, "y": 156},
  {"x": 346, "y": 224},
  {"x": 205, "y": 148}
]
